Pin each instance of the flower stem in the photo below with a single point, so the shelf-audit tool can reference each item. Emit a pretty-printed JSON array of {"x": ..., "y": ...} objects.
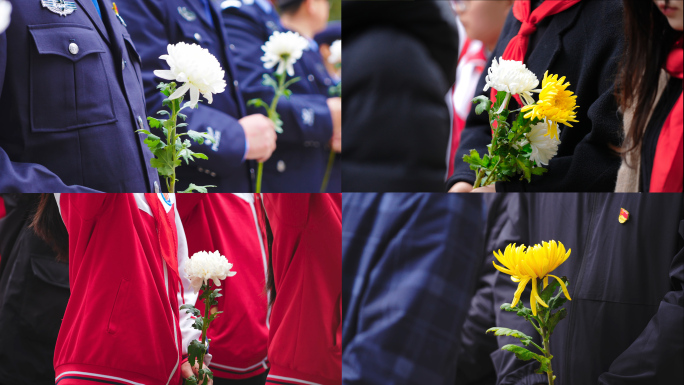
[
  {"x": 276, "y": 97},
  {"x": 260, "y": 172},
  {"x": 171, "y": 141},
  {"x": 205, "y": 326},
  {"x": 489, "y": 177},
  {"x": 547, "y": 352},
  {"x": 273, "y": 115},
  {"x": 480, "y": 173},
  {"x": 328, "y": 170}
]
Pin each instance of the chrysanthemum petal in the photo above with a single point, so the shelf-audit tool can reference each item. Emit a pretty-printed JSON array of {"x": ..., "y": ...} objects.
[{"x": 565, "y": 289}]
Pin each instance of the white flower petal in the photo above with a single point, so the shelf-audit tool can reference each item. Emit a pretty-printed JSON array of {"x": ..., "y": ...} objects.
[
  {"x": 283, "y": 44},
  {"x": 196, "y": 68},
  {"x": 543, "y": 147},
  {"x": 335, "y": 52},
  {"x": 180, "y": 91},
  {"x": 510, "y": 76},
  {"x": 205, "y": 266},
  {"x": 165, "y": 74},
  {"x": 194, "y": 95},
  {"x": 5, "y": 12}
]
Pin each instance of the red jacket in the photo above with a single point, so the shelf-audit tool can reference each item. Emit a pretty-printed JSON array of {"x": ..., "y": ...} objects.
[
  {"x": 228, "y": 223},
  {"x": 306, "y": 329},
  {"x": 121, "y": 325}
]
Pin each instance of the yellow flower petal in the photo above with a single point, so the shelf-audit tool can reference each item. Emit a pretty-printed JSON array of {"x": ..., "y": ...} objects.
[{"x": 565, "y": 289}]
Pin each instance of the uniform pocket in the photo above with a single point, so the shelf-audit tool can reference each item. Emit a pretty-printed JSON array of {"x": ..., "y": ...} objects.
[
  {"x": 119, "y": 304},
  {"x": 69, "y": 87}
]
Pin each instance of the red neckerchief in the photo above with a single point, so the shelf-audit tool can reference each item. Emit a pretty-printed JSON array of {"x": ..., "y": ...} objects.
[
  {"x": 517, "y": 46},
  {"x": 166, "y": 229},
  {"x": 668, "y": 165}
]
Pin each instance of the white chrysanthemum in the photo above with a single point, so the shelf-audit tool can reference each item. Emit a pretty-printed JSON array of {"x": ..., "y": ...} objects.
[
  {"x": 5, "y": 11},
  {"x": 335, "y": 52},
  {"x": 513, "y": 77},
  {"x": 543, "y": 147},
  {"x": 204, "y": 266},
  {"x": 283, "y": 49},
  {"x": 196, "y": 68}
]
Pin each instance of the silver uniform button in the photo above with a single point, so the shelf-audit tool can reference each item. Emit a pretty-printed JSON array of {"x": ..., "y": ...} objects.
[
  {"x": 140, "y": 122},
  {"x": 198, "y": 37},
  {"x": 200, "y": 169},
  {"x": 123, "y": 65},
  {"x": 213, "y": 174},
  {"x": 310, "y": 77},
  {"x": 280, "y": 166},
  {"x": 73, "y": 48},
  {"x": 235, "y": 83},
  {"x": 232, "y": 47}
]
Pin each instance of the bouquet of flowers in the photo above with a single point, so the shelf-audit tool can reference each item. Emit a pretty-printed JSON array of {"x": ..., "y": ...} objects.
[
  {"x": 197, "y": 71},
  {"x": 282, "y": 49},
  {"x": 524, "y": 147},
  {"x": 202, "y": 269},
  {"x": 534, "y": 264}
]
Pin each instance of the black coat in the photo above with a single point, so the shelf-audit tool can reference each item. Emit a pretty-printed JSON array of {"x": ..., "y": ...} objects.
[
  {"x": 583, "y": 43},
  {"x": 400, "y": 60},
  {"x": 34, "y": 291},
  {"x": 625, "y": 322}
]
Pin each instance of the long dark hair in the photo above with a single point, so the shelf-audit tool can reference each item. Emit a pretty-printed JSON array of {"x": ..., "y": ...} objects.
[
  {"x": 648, "y": 39},
  {"x": 48, "y": 225}
]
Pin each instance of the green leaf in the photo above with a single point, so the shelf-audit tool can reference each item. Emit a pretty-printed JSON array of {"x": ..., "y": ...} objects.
[
  {"x": 524, "y": 166},
  {"x": 291, "y": 82},
  {"x": 269, "y": 81},
  {"x": 555, "y": 318},
  {"x": 195, "y": 350},
  {"x": 200, "y": 137},
  {"x": 154, "y": 122},
  {"x": 182, "y": 116},
  {"x": 538, "y": 170},
  {"x": 191, "y": 309},
  {"x": 192, "y": 380},
  {"x": 181, "y": 125},
  {"x": 473, "y": 159},
  {"x": 199, "y": 155},
  {"x": 483, "y": 104},
  {"x": 498, "y": 331},
  {"x": 164, "y": 112},
  {"x": 549, "y": 290},
  {"x": 258, "y": 103},
  {"x": 199, "y": 323},
  {"x": 193, "y": 188},
  {"x": 526, "y": 355},
  {"x": 287, "y": 93}
]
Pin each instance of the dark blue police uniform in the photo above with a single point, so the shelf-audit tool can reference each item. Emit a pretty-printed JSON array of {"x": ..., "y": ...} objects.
[
  {"x": 154, "y": 24},
  {"x": 71, "y": 98},
  {"x": 299, "y": 161}
]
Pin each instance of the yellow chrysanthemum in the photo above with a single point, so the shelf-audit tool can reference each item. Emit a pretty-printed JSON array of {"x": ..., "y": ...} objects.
[
  {"x": 529, "y": 264},
  {"x": 556, "y": 104}
]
